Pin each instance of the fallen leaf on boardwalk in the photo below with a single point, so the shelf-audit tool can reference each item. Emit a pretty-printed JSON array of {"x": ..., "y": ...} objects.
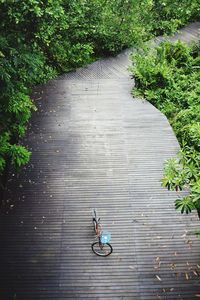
[
  {"x": 195, "y": 273},
  {"x": 186, "y": 276},
  {"x": 131, "y": 267},
  {"x": 189, "y": 242},
  {"x": 157, "y": 258},
  {"x": 173, "y": 266},
  {"x": 198, "y": 266},
  {"x": 158, "y": 278}
]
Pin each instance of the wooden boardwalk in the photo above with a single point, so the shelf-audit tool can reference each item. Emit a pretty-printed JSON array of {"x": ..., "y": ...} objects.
[{"x": 95, "y": 146}]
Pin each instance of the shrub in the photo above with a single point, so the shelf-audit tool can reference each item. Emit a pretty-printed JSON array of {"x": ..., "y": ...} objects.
[
  {"x": 167, "y": 16},
  {"x": 168, "y": 76}
]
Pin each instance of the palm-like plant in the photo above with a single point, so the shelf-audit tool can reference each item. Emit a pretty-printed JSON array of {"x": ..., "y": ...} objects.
[
  {"x": 185, "y": 205},
  {"x": 174, "y": 175},
  {"x": 182, "y": 173}
]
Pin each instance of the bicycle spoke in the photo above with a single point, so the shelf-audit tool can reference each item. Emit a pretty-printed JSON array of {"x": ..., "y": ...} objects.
[{"x": 102, "y": 250}]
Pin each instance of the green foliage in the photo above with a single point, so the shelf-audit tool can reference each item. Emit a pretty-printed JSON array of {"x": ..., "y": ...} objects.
[
  {"x": 118, "y": 28},
  {"x": 195, "y": 193},
  {"x": 174, "y": 175},
  {"x": 4, "y": 149},
  {"x": 168, "y": 76},
  {"x": 19, "y": 155},
  {"x": 185, "y": 205},
  {"x": 168, "y": 15},
  {"x": 20, "y": 105},
  {"x": 40, "y": 39}
]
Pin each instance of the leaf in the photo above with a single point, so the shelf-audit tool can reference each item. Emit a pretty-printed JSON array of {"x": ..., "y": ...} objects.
[
  {"x": 195, "y": 273},
  {"x": 185, "y": 205},
  {"x": 158, "y": 278},
  {"x": 173, "y": 266},
  {"x": 157, "y": 258}
]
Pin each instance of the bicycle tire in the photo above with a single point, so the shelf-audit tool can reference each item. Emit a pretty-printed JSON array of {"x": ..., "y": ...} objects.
[{"x": 105, "y": 251}]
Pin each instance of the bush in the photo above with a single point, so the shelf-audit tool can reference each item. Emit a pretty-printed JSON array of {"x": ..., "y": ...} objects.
[
  {"x": 167, "y": 16},
  {"x": 168, "y": 76}
]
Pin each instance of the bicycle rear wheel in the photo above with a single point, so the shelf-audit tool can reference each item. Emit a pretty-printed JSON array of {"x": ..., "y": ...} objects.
[{"x": 102, "y": 250}]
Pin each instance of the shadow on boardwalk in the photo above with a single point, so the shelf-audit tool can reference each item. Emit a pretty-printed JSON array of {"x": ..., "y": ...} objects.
[{"x": 95, "y": 146}]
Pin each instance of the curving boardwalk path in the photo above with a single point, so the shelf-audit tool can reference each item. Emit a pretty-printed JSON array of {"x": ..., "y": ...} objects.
[{"x": 95, "y": 146}]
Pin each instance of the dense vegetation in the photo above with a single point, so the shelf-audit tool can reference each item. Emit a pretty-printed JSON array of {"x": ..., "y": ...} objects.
[
  {"x": 169, "y": 77},
  {"x": 166, "y": 15},
  {"x": 40, "y": 39}
]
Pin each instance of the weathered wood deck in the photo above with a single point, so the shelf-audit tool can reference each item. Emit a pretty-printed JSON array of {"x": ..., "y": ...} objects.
[{"x": 95, "y": 146}]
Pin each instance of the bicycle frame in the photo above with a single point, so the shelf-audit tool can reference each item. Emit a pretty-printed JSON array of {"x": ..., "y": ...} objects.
[
  {"x": 97, "y": 225},
  {"x": 100, "y": 234}
]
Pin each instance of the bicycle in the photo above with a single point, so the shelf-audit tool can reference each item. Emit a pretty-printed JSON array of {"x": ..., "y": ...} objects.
[{"x": 102, "y": 246}]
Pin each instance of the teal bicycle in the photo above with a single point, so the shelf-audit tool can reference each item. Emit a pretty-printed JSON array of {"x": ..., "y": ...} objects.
[{"x": 101, "y": 247}]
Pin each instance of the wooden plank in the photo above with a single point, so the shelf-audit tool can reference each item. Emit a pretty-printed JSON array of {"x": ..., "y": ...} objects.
[{"x": 95, "y": 146}]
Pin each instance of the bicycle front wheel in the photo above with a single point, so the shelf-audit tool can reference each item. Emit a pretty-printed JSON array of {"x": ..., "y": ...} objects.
[{"x": 102, "y": 249}]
